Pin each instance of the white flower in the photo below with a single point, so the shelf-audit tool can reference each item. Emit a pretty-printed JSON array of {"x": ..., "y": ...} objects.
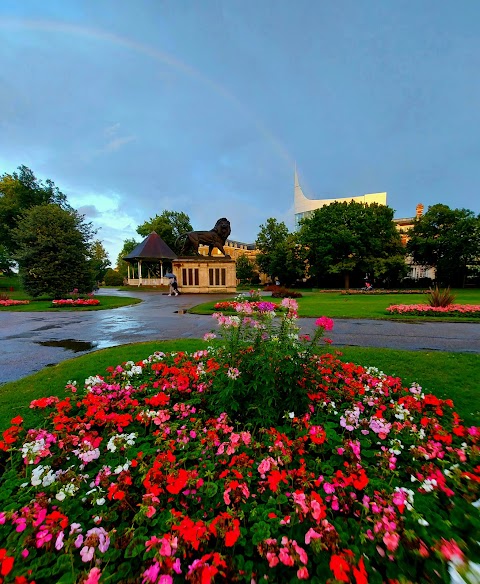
[{"x": 423, "y": 522}]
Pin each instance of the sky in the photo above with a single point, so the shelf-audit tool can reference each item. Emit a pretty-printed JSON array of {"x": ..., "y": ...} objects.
[{"x": 133, "y": 107}]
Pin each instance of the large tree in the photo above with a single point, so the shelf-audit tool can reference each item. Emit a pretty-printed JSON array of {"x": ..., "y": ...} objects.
[
  {"x": 245, "y": 269},
  {"x": 447, "y": 240},
  {"x": 128, "y": 246},
  {"x": 53, "y": 251},
  {"x": 19, "y": 192},
  {"x": 349, "y": 239},
  {"x": 280, "y": 255},
  {"x": 169, "y": 226},
  {"x": 99, "y": 259}
]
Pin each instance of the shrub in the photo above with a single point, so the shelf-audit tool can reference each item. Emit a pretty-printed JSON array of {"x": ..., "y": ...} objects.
[
  {"x": 440, "y": 297},
  {"x": 4, "y": 296},
  {"x": 113, "y": 278},
  {"x": 282, "y": 292}
]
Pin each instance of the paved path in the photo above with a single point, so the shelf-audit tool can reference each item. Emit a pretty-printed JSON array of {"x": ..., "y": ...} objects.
[{"x": 30, "y": 341}]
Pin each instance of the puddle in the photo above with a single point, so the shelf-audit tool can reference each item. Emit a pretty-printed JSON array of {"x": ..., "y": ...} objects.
[{"x": 70, "y": 345}]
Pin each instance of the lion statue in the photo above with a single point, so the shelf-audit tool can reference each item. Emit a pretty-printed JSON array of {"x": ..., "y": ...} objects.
[{"x": 216, "y": 237}]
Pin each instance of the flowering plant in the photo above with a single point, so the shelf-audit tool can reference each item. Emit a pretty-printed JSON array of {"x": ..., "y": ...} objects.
[
  {"x": 133, "y": 480},
  {"x": 421, "y": 309},
  {"x": 76, "y": 302},
  {"x": 9, "y": 302},
  {"x": 272, "y": 362}
]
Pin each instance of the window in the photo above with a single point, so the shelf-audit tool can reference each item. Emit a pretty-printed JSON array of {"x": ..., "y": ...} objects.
[
  {"x": 217, "y": 276},
  {"x": 190, "y": 277}
]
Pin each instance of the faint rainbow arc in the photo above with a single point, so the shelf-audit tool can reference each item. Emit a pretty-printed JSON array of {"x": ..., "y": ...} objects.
[{"x": 64, "y": 27}]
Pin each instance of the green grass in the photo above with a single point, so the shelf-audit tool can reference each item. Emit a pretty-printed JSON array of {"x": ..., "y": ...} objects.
[
  {"x": 16, "y": 396},
  {"x": 447, "y": 375},
  {"x": 44, "y": 303},
  {"x": 337, "y": 305},
  {"x": 106, "y": 302}
]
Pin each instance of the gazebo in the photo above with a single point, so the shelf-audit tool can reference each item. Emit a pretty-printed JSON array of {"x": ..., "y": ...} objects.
[{"x": 150, "y": 253}]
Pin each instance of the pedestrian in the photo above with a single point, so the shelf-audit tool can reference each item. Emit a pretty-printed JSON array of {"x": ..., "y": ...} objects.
[{"x": 173, "y": 288}]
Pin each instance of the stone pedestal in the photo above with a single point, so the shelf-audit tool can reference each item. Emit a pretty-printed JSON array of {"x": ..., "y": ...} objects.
[{"x": 205, "y": 275}]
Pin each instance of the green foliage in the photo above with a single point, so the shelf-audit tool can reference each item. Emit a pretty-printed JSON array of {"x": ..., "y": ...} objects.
[
  {"x": 113, "y": 278},
  {"x": 439, "y": 297},
  {"x": 346, "y": 238},
  {"x": 128, "y": 246},
  {"x": 53, "y": 250},
  {"x": 6, "y": 261},
  {"x": 280, "y": 255},
  {"x": 169, "y": 226},
  {"x": 99, "y": 260},
  {"x": 447, "y": 240},
  {"x": 271, "y": 365},
  {"x": 19, "y": 192},
  {"x": 245, "y": 269}
]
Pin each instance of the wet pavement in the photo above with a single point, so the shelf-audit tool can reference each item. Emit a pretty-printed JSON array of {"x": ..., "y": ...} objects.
[{"x": 30, "y": 341}]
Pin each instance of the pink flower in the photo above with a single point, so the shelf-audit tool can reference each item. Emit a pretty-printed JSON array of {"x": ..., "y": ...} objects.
[
  {"x": 151, "y": 574},
  {"x": 391, "y": 541},
  {"x": 311, "y": 534},
  {"x": 87, "y": 553},
  {"x": 324, "y": 322},
  {"x": 302, "y": 573},
  {"x": 93, "y": 576},
  {"x": 451, "y": 551}
]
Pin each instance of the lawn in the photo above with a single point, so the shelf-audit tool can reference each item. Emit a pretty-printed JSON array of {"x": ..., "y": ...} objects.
[
  {"x": 106, "y": 302},
  {"x": 338, "y": 305},
  {"x": 11, "y": 287},
  {"x": 447, "y": 375}
]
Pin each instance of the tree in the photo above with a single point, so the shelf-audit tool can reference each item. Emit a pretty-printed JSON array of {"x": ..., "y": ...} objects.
[
  {"x": 280, "y": 256},
  {"x": 245, "y": 269},
  {"x": 351, "y": 239},
  {"x": 447, "y": 240},
  {"x": 19, "y": 192},
  {"x": 169, "y": 226},
  {"x": 99, "y": 260},
  {"x": 128, "y": 246},
  {"x": 53, "y": 251},
  {"x": 6, "y": 262}
]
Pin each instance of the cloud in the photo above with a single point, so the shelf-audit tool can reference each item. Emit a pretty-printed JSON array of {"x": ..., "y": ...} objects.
[
  {"x": 117, "y": 143},
  {"x": 89, "y": 211}
]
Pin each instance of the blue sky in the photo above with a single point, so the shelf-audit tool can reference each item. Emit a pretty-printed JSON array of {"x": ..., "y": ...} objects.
[{"x": 136, "y": 106}]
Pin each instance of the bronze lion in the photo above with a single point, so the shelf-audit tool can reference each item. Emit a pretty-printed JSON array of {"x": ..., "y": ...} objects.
[{"x": 216, "y": 237}]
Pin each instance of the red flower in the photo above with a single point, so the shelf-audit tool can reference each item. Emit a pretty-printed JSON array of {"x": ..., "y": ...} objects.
[
  {"x": 176, "y": 484},
  {"x": 275, "y": 477},
  {"x": 360, "y": 573},
  {"x": 340, "y": 568},
  {"x": 6, "y": 562}
]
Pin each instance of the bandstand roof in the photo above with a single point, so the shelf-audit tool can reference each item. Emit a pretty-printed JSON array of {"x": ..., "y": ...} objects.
[{"x": 152, "y": 248}]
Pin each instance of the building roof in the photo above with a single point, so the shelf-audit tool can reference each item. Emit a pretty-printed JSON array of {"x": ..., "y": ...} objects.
[{"x": 152, "y": 248}]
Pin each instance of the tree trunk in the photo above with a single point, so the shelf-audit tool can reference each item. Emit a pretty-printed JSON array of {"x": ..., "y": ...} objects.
[{"x": 346, "y": 277}]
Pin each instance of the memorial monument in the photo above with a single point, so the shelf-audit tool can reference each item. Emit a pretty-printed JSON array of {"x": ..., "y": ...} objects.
[{"x": 200, "y": 274}]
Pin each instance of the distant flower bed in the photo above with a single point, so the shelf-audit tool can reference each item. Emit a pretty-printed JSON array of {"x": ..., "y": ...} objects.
[
  {"x": 13, "y": 302},
  {"x": 76, "y": 302},
  {"x": 246, "y": 306},
  {"x": 419, "y": 309},
  {"x": 382, "y": 292}
]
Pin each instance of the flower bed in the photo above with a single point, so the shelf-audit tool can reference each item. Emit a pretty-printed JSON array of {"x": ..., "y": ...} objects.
[
  {"x": 381, "y": 292},
  {"x": 425, "y": 309},
  {"x": 246, "y": 306},
  {"x": 140, "y": 477},
  {"x": 76, "y": 302},
  {"x": 13, "y": 302}
]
